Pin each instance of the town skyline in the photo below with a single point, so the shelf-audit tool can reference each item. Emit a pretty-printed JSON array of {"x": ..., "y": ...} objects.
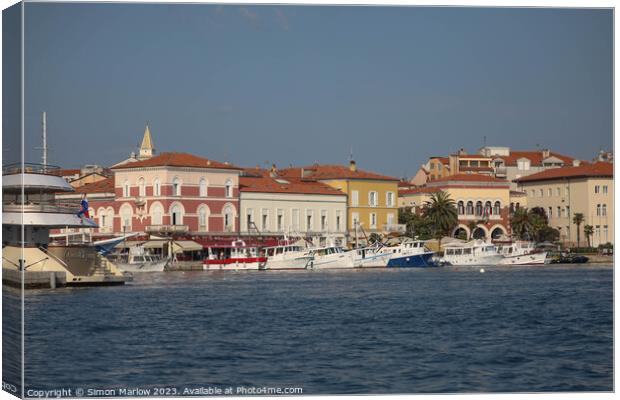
[{"x": 248, "y": 84}]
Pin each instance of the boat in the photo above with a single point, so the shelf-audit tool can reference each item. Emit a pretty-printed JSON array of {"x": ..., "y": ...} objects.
[
  {"x": 521, "y": 253},
  {"x": 475, "y": 252},
  {"x": 30, "y": 208},
  {"x": 139, "y": 259},
  {"x": 565, "y": 258},
  {"x": 238, "y": 257},
  {"x": 106, "y": 246},
  {"x": 331, "y": 257},
  {"x": 371, "y": 256},
  {"x": 410, "y": 253},
  {"x": 287, "y": 257}
]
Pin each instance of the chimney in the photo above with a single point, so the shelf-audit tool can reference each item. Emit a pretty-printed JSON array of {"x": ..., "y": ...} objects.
[
  {"x": 576, "y": 163},
  {"x": 461, "y": 152},
  {"x": 273, "y": 172},
  {"x": 545, "y": 153},
  {"x": 352, "y": 166}
]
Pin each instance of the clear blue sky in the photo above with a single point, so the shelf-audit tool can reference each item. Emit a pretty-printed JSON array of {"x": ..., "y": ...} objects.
[{"x": 295, "y": 85}]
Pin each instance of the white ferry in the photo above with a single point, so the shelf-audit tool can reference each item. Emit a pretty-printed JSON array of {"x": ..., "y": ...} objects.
[
  {"x": 521, "y": 253},
  {"x": 476, "y": 252}
]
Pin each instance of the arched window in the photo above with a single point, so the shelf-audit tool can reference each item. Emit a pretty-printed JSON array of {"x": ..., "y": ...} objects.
[
  {"x": 203, "y": 218},
  {"x": 229, "y": 188},
  {"x": 229, "y": 218},
  {"x": 126, "y": 188},
  {"x": 110, "y": 219},
  {"x": 203, "y": 187},
  {"x": 157, "y": 214},
  {"x": 141, "y": 187},
  {"x": 103, "y": 223},
  {"x": 156, "y": 187},
  {"x": 598, "y": 210},
  {"x": 470, "y": 208},
  {"x": 604, "y": 210},
  {"x": 126, "y": 214},
  {"x": 176, "y": 215},
  {"x": 497, "y": 208},
  {"x": 461, "y": 208},
  {"x": 488, "y": 210},
  {"x": 479, "y": 208},
  {"x": 176, "y": 187}
]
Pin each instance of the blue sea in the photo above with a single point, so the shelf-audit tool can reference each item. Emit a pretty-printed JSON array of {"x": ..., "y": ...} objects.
[{"x": 435, "y": 330}]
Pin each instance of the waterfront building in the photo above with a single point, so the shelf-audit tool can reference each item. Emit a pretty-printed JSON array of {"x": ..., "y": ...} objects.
[
  {"x": 275, "y": 205},
  {"x": 563, "y": 192},
  {"x": 371, "y": 197},
  {"x": 482, "y": 202}
]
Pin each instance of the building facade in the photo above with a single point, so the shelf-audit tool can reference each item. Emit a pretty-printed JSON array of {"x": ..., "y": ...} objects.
[
  {"x": 483, "y": 203},
  {"x": 274, "y": 205},
  {"x": 563, "y": 192}
]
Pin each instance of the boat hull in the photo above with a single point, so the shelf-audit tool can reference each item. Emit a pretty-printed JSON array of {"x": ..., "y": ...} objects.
[
  {"x": 143, "y": 267},
  {"x": 525, "y": 259},
  {"x": 239, "y": 264},
  {"x": 474, "y": 261},
  {"x": 372, "y": 261},
  {"x": 423, "y": 260},
  {"x": 295, "y": 263},
  {"x": 341, "y": 262}
]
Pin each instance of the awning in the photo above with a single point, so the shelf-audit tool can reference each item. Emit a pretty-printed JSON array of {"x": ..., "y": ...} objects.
[{"x": 185, "y": 245}]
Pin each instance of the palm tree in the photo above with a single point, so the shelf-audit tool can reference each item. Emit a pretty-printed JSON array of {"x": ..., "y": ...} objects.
[
  {"x": 588, "y": 230},
  {"x": 578, "y": 220},
  {"x": 441, "y": 212},
  {"x": 521, "y": 222},
  {"x": 472, "y": 227}
]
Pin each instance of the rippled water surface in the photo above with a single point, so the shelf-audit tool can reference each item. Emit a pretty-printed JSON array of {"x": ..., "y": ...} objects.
[{"x": 358, "y": 331}]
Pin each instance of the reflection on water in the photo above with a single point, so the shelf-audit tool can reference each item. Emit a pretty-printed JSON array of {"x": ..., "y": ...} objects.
[{"x": 346, "y": 331}]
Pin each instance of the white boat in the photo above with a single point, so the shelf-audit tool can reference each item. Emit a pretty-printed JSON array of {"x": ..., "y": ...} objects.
[
  {"x": 287, "y": 257},
  {"x": 409, "y": 254},
  {"x": 238, "y": 257},
  {"x": 521, "y": 253},
  {"x": 331, "y": 257},
  {"x": 138, "y": 259},
  {"x": 370, "y": 257},
  {"x": 476, "y": 252}
]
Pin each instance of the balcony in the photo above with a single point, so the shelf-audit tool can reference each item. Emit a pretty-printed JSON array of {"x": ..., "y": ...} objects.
[
  {"x": 30, "y": 168},
  {"x": 501, "y": 171},
  {"x": 42, "y": 206},
  {"x": 400, "y": 228}
]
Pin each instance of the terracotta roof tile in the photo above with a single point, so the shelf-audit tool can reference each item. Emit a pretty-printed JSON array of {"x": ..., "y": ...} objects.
[
  {"x": 469, "y": 178},
  {"x": 173, "y": 159},
  {"x": 260, "y": 181},
  {"x": 334, "y": 171},
  {"x": 535, "y": 157},
  {"x": 102, "y": 186},
  {"x": 69, "y": 172},
  {"x": 598, "y": 169},
  {"x": 419, "y": 190}
]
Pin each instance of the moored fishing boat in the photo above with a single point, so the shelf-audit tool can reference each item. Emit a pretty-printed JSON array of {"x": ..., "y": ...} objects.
[
  {"x": 331, "y": 257},
  {"x": 138, "y": 259},
  {"x": 474, "y": 253},
  {"x": 238, "y": 257},
  {"x": 287, "y": 257},
  {"x": 370, "y": 257},
  {"x": 410, "y": 254},
  {"x": 521, "y": 253}
]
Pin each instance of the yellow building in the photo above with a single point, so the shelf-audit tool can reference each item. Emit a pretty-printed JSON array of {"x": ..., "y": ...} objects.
[{"x": 371, "y": 198}]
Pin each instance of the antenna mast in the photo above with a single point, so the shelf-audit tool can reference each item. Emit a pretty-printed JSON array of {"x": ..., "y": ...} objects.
[{"x": 44, "y": 148}]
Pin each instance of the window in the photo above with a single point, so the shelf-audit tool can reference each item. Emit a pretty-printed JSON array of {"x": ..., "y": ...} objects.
[
  {"x": 264, "y": 221},
  {"x": 176, "y": 215},
  {"x": 523, "y": 165},
  {"x": 126, "y": 212},
  {"x": 605, "y": 233},
  {"x": 202, "y": 187},
  {"x": 461, "y": 208},
  {"x": 229, "y": 218},
  {"x": 157, "y": 214},
  {"x": 559, "y": 211},
  {"x": 295, "y": 219},
  {"x": 497, "y": 208},
  {"x": 338, "y": 220},
  {"x": 373, "y": 220},
  {"x": 176, "y": 187},
  {"x": 202, "y": 218},
  {"x": 567, "y": 211},
  {"x": 598, "y": 210},
  {"x": 355, "y": 220},
  {"x": 390, "y": 219},
  {"x": 533, "y": 193},
  {"x": 126, "y": 188},
  {"x": 597, "y": 231},
  {"x": 389, "y": 199},
  {"x": 549, "y": 192},
  {"x": 557, "y": 192},
  {"x": 605, "y": 189},
  {"x": 372, "y": 199},
  {"x": 604, "y": 210},
  {"x": 280, "y": 220},
  {"x": 566, "y": 191},
  {"x": 550, "y": 212},
  {"x": 156, "y": 187},
  {"x": 597, "y": 189},
  {"x": 479, "y": 208},
  {"x": 473, "y": 163},
  {"x": 249, "y": 218},
  {"x": 229, "y": 188},
  {"x": 355, "y": 198},
  {"x": 470, "y": 208},
  {"x": 541, "y": 192},
  {"x": 309, "y": 220},
  {"x": 488, "y": 210},
  {"x": 141, "y": 188},
  {"x": 323, "y": 220}
]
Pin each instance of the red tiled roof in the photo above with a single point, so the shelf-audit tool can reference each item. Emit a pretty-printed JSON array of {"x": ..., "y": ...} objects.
[
  {"x": 443, "y": 160},
  {"x": 326, "y": 171},
  {"x": 476, "y": 156},
  {"x": 598, "y": 169},
  {"x": 69, "y": 172},
  {"x": 421, "y": 189},
  {"x": 173, "y": 159},
  {"x": 469, "y": 178},
  {"x": 490, "y": 169},
  {"x": 535, "y": 157},
  {"x": 102, "y": 186},
  {"x": 260, "y": 181}
]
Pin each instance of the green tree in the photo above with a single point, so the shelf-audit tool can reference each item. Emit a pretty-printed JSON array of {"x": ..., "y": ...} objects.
[
  {"x": 417, "y": 225},
  {"x": 521, "y": 223},
  {"x": 578, "y": 220},
  {"x": 374, "y": 238},
  {"x": 588, "y": 230},
  {"x": 441, "y": 213}
]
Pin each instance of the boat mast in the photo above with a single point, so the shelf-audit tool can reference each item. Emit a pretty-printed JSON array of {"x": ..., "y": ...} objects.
[{"x": 44, "y": 148}]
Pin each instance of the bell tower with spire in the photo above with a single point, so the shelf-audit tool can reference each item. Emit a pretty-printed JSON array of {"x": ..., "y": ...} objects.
[{"x": 146, "y": 148}]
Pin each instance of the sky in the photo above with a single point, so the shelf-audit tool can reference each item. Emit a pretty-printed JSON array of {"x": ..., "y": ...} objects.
[{"x": 256, "y": 85}]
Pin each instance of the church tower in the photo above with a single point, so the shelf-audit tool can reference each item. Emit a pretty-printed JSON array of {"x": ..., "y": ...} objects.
[{"x": 146, "y": 148}]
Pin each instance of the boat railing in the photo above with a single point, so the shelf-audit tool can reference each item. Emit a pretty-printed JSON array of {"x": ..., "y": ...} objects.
[
  {"x": 31, "y": 168},
  {"x": 65, "y": 206}
]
